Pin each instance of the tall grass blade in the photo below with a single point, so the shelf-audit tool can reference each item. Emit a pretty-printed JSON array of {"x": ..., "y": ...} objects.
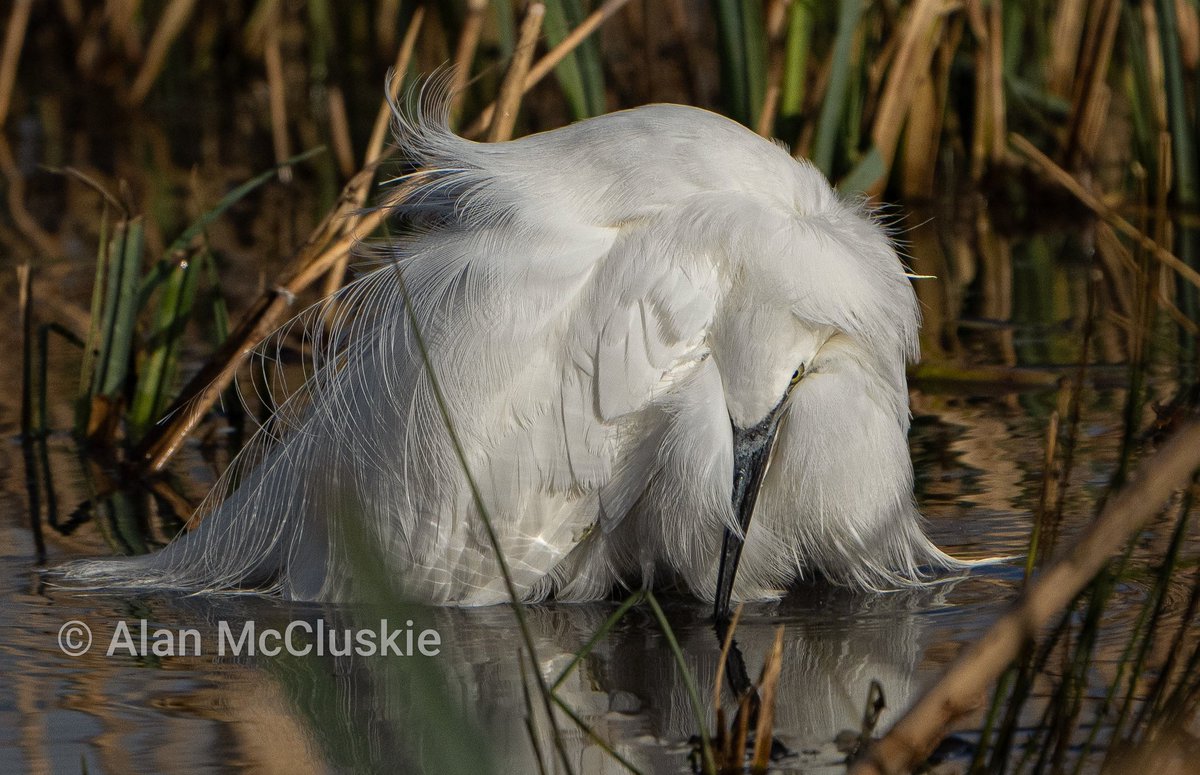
[
  {"x": 1183, "y": 130},
  {"x": 91, "y": 348},
  {"x": 833, "y": 108},
  {"x": 706, "y": 750},
  {"x": 795, "y": 67},
  {"x": 743, "y": 50},
  {"x": 580, "y": 74},
  {"x": 118, "y": 327},
  {"x": 171, "y": 315}
]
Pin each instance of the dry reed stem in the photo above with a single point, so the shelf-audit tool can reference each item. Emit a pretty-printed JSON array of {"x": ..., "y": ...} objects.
[
  {"x": 361, "y": 188},
  {"x": 988, "y": 150},
  {"x": 918, "y": 41},
  {"x": 339, "y": 132},
  {"x": 384, "y": 116},
  {"x": 961, "y": 689},
  {"x": 1154, "y": 66},
  {"x": 741, "y": 732},
  {"x": 508, "y": 101},
  {"x": 120, "y": 16},
  {"x": 14, "y": 41},
  {"x": 173, "y": 20},
  {"x": 776, "y": 25},
  {"x": 551, "y": 60},
  {"x": 995, "y": 50},
  {"x": 768, "y": 684},
  {"x": 464, "y": 54},
  {"x": 726, "y": 645},
  {"x": 1058, "y": 175},
  {"x": 1065, "y": 38},
  {"x": 1187, "y": 18},
  {"x": 1089, "y": 102},
  {"x": 256, "y": 325},
  {"x": 1047, "y": 516},
  {"x": 921, "y": 140},
  {"x": 920, "y": 172},
  {"x": 273, "y": 61}
]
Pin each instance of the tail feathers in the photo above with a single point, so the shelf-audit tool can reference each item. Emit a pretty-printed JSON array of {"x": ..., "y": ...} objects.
[
  {"x": 234, "y": 549},
  {"x": 197, "y": 562},
  {"x": 902, "y": 558}
]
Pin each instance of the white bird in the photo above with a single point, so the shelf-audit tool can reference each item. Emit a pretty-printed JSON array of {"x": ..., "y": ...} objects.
[{"x": 647, "y": 327}]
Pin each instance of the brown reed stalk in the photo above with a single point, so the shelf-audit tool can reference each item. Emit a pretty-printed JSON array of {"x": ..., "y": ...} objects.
[
  {"x": 777, "y": 12},
  {"x": 339, "y": 132},
  {"x": 918, "y": 40},
  {"x": 257, "y": 324},
  {"x": 384, "y": 116},
  {"x": 120, "y": 16},
  {"x": 508, "y": 101},
  {"x": 543, "y": 66},
  {"x": 726, "y": 645},
  {"x": 464, "y": 54},
  {"x": 1066, "y": 31},
  {"x": 173, "y": 21},
  {"x": 961, "y": 688},
  {"x": 277, "y": 95},
  {"x": 14, "y": 41},
  {"x": 374, "y": 152},
  {"x": 768, "y": 686},
  {"x": 1090, "y": 96}
]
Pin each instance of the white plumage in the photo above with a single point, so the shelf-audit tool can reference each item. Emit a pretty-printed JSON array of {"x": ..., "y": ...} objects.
[{"x": 602, "y": 304}]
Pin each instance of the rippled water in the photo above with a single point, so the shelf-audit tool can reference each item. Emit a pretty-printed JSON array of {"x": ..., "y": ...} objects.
[
  {"x": 1011, "y": 306},
  {"x": 978, "y": 453}
]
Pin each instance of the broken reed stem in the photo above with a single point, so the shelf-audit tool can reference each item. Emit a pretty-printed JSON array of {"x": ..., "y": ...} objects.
[
  {"x": 551, "y": 60},
  {"x": 173, "y": 20},
  {"x": 1058, "y": 175},
  {"x": 961, "y": 688},
  {"x": 14, "y": 41},
  {"x": 508, "y": 101}
]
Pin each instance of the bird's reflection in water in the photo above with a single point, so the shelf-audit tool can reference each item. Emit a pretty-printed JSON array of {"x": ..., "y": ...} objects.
[{"x": 370, "y": 712}]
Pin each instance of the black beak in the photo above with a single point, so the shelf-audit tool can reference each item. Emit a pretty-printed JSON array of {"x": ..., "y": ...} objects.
[{"x": 751, "y": 456}]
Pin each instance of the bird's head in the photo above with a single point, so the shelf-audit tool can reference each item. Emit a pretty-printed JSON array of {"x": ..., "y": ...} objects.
[{"x": 823, "y": 292}]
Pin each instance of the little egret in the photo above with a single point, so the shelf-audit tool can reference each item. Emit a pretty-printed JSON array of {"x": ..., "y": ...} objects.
[{"x": 647, "y": 328}]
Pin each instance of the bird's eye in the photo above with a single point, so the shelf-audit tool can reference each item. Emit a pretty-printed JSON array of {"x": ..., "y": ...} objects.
[{"x": 797, "y": 375}]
